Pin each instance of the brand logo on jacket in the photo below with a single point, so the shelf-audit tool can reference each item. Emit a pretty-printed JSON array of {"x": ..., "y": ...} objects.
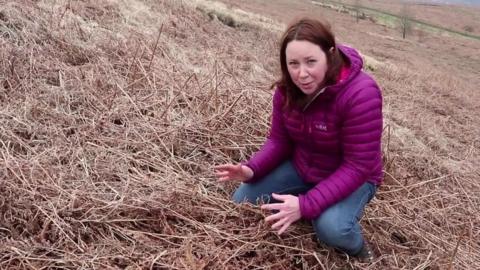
[{"x": 321, "y": 126}]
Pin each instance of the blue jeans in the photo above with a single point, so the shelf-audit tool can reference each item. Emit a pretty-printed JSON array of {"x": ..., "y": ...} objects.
[{"x": 336, "y": 227}]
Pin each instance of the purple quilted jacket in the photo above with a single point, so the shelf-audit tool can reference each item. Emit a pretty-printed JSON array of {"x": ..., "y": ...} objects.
[{"x": 334, "y": 142}]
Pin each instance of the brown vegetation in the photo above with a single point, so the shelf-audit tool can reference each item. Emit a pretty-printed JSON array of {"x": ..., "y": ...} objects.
[{"x": 112, "y": 114}]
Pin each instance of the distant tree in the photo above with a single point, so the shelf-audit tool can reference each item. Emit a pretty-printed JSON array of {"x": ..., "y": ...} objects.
[
  {"x": 356, "y": 6},
  {"x": 405, "y": 20}
]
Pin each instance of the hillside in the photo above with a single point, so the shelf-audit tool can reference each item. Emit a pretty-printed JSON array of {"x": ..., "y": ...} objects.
[
  {"x": 452, "y": 15},
  {"x": 112, "y": 114}
]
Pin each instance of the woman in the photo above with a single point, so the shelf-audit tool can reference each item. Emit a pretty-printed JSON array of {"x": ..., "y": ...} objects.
[{"x": 322, "y": 159}]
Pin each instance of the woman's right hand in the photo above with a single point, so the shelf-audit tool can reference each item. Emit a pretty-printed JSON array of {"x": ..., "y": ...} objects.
[{"x": 231, "y": 172}]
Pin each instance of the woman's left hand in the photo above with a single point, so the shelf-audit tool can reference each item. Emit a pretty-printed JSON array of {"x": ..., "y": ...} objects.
[{"x": 289, "y": 211}]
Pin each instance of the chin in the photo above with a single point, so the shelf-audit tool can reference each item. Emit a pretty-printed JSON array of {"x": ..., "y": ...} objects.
[{"x": 308, "y": 91}]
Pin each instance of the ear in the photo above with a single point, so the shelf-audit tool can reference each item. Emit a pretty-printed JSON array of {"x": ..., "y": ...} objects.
[{"x": 331, "y": 50}]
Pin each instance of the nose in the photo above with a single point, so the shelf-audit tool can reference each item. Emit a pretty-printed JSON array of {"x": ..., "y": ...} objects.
[{"x": 303, "y": 71}]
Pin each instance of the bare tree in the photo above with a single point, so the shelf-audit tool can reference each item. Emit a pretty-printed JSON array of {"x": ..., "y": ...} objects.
[
  {"x": 356, "y": 6},
  {"x": 405, "y": 20}
]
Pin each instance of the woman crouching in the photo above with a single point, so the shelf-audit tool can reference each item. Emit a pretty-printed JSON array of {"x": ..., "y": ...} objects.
[{"x": 322, "y": 160}]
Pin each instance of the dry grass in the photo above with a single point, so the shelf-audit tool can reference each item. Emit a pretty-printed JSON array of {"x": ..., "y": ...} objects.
[
  {"x": 235, "y": 17},
  {"x": 113, "y": 113}
]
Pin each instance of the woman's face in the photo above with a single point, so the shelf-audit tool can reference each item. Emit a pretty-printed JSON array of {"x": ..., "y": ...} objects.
[{"x": 307, "y": 65}]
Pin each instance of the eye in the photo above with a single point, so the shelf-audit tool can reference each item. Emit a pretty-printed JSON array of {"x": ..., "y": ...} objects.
[
  {"x": 311, "y": 61},
  {"x": 293, "y": 63}
]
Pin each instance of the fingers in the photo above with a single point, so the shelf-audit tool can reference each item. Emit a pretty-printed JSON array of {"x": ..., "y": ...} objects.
[
  {"x": 280, "y": 197},
  {"x": 288, "y": 212},
  {"x": 224, "y": 167},
  {"x": 276, "y": 216},
  {"x": 283, "y": 224},
  {"x": 223, "y": 176},
  {"x": 222, "y": 173},
  {"x": 280, "y": 223},
  {"x": 224, "y": 179},
  {"x": 273, "y": 206},
  {"x": 284, "y": 227}
]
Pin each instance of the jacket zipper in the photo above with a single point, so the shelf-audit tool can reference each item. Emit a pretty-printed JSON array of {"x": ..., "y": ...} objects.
[
  {"x": 309, "y": 139},
  {"x": 314, "y": 97},
  {"x": 309, "y": 124}
]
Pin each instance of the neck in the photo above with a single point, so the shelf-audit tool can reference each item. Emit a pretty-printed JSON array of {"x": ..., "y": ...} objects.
[{"x": 313, "y": 96}]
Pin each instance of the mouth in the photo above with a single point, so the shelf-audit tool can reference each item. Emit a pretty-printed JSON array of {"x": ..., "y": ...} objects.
[{"x": 306, "y": 85}]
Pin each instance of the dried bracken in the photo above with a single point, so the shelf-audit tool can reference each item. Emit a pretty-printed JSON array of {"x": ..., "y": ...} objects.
[{"x": 112, "y": 114}]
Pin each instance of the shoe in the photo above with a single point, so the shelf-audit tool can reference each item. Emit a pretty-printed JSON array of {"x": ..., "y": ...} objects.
[{"x": 366, "y": 254}]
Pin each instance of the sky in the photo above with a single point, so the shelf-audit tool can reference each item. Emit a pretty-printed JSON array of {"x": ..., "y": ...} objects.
[{"x": 468, "y": 2}]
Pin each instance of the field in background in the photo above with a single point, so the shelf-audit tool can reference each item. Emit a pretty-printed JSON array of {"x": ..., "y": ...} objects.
[
  {"x": 402, "y": 18},
  {"x": 464, "y": 19},
  {"x": 112, "y": 114}
]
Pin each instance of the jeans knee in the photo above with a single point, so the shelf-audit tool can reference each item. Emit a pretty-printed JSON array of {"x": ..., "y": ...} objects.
[
  {"x": 245, "y": 193},
  {"x": 239, "y": 196},
  {"x": 333, "y": 233}
]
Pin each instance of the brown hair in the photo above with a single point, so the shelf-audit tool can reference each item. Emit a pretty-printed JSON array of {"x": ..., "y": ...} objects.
[{"x": 318, "y": 33}]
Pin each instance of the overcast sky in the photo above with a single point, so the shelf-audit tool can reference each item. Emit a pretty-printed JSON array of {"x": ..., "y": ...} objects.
[{"x": 469, "y": 2}]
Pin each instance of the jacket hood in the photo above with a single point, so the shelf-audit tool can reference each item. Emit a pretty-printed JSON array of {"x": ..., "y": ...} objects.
[{"x": 355, "y": 62}]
